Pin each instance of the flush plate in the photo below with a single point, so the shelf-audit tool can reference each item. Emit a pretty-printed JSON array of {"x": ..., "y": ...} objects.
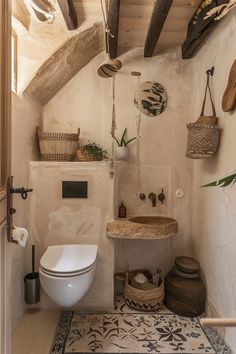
[{"x": 74, "y": 189}]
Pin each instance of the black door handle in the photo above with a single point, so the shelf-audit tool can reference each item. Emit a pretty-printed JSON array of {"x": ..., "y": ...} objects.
[{"x": 22, "y": 191}]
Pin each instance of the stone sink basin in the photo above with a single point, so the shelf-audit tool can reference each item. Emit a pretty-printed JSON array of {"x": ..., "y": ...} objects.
[
  {"x": 153, "y": 220},
  {"x": 143, "y": 227}
]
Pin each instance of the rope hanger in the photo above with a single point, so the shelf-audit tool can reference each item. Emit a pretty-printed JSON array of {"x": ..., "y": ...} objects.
[{"x": 139, "y": 119}]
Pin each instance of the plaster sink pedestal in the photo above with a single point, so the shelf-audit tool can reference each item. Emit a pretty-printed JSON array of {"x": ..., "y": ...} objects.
[{"x": 142, "y": 227}]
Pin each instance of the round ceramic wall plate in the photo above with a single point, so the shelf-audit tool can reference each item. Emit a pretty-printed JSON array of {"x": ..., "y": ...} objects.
[{"x": 153, "y": 98}]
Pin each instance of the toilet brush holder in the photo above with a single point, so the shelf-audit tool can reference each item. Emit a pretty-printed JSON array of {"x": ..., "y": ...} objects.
[
  {"x": 32, "y": 288},
  {"x": 32, "y": 284}
]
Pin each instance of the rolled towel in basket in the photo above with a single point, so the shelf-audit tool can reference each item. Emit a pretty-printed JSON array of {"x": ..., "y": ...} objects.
[{"x": 140, "y": 278}]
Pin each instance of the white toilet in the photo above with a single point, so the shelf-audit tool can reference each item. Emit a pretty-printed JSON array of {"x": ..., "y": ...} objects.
[{"x": 67, "y": 271}]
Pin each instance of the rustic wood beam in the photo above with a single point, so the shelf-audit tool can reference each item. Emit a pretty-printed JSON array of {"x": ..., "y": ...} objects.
[
  {"x": 159, "y": 15},
  {"x": 199, "y": 29},
  {"x": 69, "y": 13},
  {"x": 72, "y": 56},
  {"x": 20, "y": 12},
  {"x": 113, "y": 25}
]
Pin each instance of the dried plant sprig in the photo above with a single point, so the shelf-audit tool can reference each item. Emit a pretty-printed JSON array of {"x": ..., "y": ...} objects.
[
  {"x": 221, "y": 10},
  {"x": 201, "y": 7}
]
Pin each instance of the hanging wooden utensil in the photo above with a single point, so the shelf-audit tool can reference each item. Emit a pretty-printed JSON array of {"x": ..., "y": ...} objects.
[
  {"x": 109, "y": 67},
  {"x": 229, "y": 97}
]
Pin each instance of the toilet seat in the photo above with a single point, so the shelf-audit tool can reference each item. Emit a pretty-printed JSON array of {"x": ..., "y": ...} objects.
[
  {"x": 65, "y": 274},
  {"x": 68, "y": 260}
]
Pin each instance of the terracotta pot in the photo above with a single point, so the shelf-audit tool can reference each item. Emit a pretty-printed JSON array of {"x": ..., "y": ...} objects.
[{"x": 122, "y": 153}]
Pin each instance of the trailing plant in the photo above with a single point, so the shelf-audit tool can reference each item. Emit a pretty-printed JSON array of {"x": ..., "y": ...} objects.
[
  {"x": 223, "y": 182},
  {"x": 94, "y": 149},
  {"x": 123, "y": 141}
]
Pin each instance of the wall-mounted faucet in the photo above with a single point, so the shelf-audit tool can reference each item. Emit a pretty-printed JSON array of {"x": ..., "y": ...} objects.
[
  {"x": 161, "y": 196},
  {"x": 142, "y": 196},
  {"x": 153, "y": 198}
]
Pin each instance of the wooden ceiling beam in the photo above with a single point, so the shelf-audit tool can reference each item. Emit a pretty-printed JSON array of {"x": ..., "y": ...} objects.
[
  {"x": 20, "y": 12},
  {"x": 64, "y": 64},
  {"x": 113, "y": 25},
  {"x": 69, "y": 13},
  {"x": 159, "y": 15},
  {"x": 199, "y": 29}
]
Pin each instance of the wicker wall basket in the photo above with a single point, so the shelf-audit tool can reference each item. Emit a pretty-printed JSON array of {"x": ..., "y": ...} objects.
[
  {"x": 203, "y": 140},
  {"x": 204, "y": 134},
  {"x": 144, "y": 300},
  {"x": 58, "y": 146}
]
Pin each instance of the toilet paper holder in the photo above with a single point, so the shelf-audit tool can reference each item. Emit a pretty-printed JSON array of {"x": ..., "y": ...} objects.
[{"x": 10, "y": 210}]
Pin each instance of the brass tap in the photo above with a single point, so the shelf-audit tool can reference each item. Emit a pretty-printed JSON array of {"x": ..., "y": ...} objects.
[{"x": 153, "y": 198}]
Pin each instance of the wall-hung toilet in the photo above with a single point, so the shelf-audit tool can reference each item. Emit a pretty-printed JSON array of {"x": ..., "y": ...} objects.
[{"x": 67, "y": 271}]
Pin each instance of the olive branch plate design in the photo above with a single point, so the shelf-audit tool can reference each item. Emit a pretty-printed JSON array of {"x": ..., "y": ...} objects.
[{"x": 153, "y": 98}]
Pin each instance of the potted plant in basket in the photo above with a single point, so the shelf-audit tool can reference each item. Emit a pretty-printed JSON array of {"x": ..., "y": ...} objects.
[
  {"x": 122, "y": 149},
  {"x": 91, "y": 152}
]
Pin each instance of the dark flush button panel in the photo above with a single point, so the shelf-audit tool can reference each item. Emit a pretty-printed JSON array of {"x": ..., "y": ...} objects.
[{"x": 74, "y": 189}]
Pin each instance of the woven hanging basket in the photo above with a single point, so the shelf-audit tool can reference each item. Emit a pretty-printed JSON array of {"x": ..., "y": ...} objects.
[
  {"x": 204, "y": 134},
  {"x": 203, "y": 140},
  {"x": 144, "y": 300},
  {"x": 58, "y": 146}
]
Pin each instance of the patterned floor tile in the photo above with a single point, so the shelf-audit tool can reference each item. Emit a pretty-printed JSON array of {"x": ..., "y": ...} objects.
[{"x": 128, "y": 331}]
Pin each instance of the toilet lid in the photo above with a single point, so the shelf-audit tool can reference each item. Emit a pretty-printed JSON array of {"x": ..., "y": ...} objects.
[{"x": 68, "y": 258}]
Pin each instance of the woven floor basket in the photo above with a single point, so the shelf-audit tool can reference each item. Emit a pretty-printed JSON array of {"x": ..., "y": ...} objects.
[
  {"x": 58, "y": 146},
  {"x": 203, "y": 140},
  {"x": 144, "y": 300}
]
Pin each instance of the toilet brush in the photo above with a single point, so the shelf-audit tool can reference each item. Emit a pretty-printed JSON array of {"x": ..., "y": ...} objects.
[
  {"x": 32, "y": 284},
  {"x": 33, "y": 261}
]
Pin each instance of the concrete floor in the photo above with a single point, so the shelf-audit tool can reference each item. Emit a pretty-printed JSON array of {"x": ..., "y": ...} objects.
[{"x": 34, "y": 333}]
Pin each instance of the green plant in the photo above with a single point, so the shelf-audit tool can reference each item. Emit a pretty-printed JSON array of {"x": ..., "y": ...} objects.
[
  {"x": 93, "y": 149},
  {"x": 223, "y": 182},
  {"x": 123, "y": 141}
]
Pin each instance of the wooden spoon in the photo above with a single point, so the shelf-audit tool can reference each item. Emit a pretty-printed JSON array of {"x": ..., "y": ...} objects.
[{"x": 229, "y": 97}]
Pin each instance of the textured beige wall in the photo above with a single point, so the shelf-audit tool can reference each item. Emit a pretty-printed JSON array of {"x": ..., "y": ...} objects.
[
  {"x": 54, "y": 220},
  {"x": 25, "y": 118},
  {"x": 163, "y": 141},
  {"x": 85, "y": 102},
  {"x": 214, "y": 210}
]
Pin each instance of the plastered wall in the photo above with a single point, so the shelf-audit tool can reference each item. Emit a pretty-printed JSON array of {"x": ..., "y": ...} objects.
[
  {"x": 163, "y": 142},
  {"x": 55, "y": 221},
  {"x": 25, "y": 117},
  {"x": 206, "y": 217},
  {"x": 214, "y": 209}
]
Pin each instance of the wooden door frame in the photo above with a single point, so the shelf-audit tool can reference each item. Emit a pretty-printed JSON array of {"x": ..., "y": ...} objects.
[
  {"x": 5, "y": 100},
  {"x": 5, "y": 169}
]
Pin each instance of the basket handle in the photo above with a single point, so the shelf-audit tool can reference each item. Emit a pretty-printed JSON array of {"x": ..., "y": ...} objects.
[
  {"x": 78, "y": 131},
  {"x": 208, "y": 88},
  {"x": 127, "y": 277}
]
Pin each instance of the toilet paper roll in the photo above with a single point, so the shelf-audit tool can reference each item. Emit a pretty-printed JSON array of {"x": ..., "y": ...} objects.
[{"x": 20, "y": 235}]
